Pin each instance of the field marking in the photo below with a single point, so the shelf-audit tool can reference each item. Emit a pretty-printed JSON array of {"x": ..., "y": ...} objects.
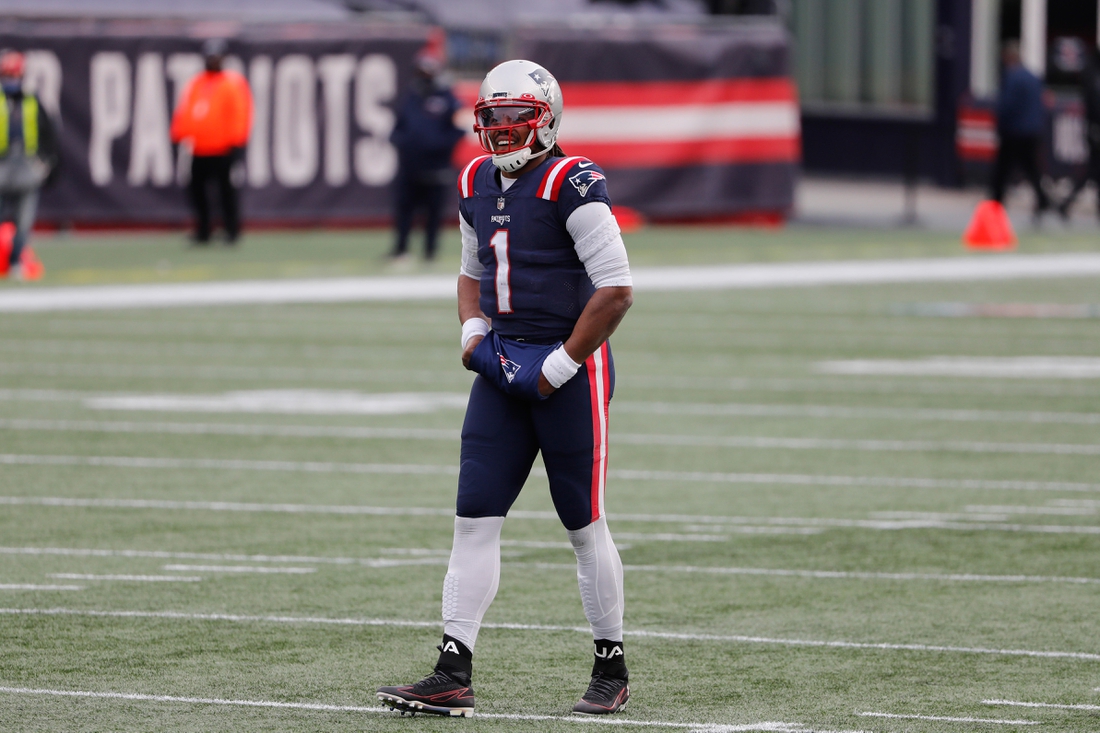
[
  {"x": 441, "y": 287},
  {"x": 129, "y": 578},
  {"x": 828, "y": 574},
  {"x": 656, "y": 439},
  {"x": 831, "y": 412},
  {"x": 238, "y": 569},
  {"x": 31, "y": 586},
  {"x": 287, "y": 402},
  {"x": 619, "y": 474},
  {"x": 947, "y": 719},
  {"x": 1015, "y": 703},
  {"x": 708, "y": 523},
  {"x": 440, "y": 557},
  {"x": 640, "y": 633},
  {"x": 764, "y": 727},
  {"x": 988, "y": 367}
]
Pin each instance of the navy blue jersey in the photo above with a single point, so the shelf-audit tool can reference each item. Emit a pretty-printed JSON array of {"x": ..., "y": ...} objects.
[{"x": 534, "y": 286}]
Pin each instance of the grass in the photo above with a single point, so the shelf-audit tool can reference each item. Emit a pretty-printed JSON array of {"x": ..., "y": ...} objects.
[{"x": 795, "y": 599}]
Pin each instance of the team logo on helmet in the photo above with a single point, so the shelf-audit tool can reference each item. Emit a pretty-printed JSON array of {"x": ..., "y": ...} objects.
[
  {"x": 543, "y": 79},
  {"x": 500, "y": 204},
  {"x": 509, "y": 367},
  {"x": 584, "y": 180}
]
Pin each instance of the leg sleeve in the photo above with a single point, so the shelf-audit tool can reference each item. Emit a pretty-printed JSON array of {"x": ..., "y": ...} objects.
[
  {"x": 600, "y": 577},
  {"x": 473, "y": 575}
]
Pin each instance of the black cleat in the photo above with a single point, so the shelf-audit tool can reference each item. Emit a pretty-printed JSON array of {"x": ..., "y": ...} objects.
[
  {"x": 605, "y": 695},
  {"x": 440, "y": 693}
]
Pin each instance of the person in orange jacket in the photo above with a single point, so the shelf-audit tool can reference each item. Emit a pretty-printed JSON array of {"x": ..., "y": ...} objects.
[{"x": 215, "y": 116}]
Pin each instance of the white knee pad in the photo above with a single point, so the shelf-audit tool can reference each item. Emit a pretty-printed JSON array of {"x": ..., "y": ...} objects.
[
  {"x": 600, "y": 577},
  {"x": 473, "y": 575}
]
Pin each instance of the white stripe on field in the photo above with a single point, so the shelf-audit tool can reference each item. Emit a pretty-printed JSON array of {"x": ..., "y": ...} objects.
[
  {"x": 129, "y": 578},
  {"x": 765, "y": 727},
  {"x": 622, "y": 474},
  {"x": 436, "y": 557},
  {"x": 287, "y": 401},
  {"x": 665, "y": 635},
  {"x": 442, "y": 287},
  {"x": 953, "y": 446},
  {"x": 709, "y": 523},
  {"x": 947, "y": 719},
  {"x": 753, "y": 442},
  {"x": 1040, "y": 705},
  {"x": 440, "y": 556},
  {"x": 30, "y": 586},
  {"x": 238, "y": 569},
  {"x": 829, "y": 574},
  {"x": 997, "y": 367},
  {"x": 830, "y": 412}
]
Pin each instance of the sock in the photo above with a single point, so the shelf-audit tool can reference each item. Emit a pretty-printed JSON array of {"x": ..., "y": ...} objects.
[
  {"x": 473, "y": 574},
  {"x": 600, "y": 577},
  {"x": 610, "y": 658},
  {"x": 456, "y": 659}
]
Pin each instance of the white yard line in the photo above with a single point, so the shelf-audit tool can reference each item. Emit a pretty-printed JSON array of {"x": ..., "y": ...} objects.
[
  {"x": 708, "y": 523},
  {"x": 948, "y": 719},
  {"x": 776, "y": 727},
  {"x": 831, "y": 412},
  {"x": 178, "y": 428},
  {"x": 439, "y": 557},
  {"x": 987, "y": 367},
  {"x": 238, "y": 569},
  {"x": 619, "y": 474},
  {"x": 129, "y": 578},
  {"x": 1015, "y": 703},
  {"x": 31, "y": 586},
  {"x": 441, "y": 287},
  {"x": 639, "y": 633}
]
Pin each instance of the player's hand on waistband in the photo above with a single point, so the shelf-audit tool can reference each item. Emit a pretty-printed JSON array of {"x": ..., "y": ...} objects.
[
  {"x": 470, "y": 346},
  {"x": 545, "y": 388}
]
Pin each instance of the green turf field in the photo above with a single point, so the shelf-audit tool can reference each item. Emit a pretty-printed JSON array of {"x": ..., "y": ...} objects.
[{"x": 806, "y": 549}]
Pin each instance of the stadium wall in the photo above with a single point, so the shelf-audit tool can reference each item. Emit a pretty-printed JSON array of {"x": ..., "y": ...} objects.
[{"x": 688, "y": 122}]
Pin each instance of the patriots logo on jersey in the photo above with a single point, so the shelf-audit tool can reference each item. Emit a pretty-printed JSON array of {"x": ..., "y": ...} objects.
[
  {"x": 509, "y": 367},
  {"x": 584, "y": 180}
]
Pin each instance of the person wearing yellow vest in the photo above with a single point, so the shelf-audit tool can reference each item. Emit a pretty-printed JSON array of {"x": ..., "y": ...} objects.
[
  {"x": 214, "y": 117},
  {"x": 28, "y": 158}
]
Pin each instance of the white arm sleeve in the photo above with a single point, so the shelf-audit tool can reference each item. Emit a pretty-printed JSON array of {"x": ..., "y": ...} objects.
[
  {"x": 471, "y": 266},
  {"x": 599, "y": 245}
]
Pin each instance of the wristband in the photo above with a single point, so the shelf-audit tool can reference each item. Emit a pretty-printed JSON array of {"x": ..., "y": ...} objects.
[
  {"x": 559, "y": 368},
  {"x": 473, "y": 327}
]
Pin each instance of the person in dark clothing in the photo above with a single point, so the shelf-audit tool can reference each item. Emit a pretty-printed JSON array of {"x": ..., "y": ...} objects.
[
  {"x": 425, "y": 137},
  {"x": 28, "y": 157},
  {"x": 1020, "y": 120},
  {"x": 1090, "y": 93}
]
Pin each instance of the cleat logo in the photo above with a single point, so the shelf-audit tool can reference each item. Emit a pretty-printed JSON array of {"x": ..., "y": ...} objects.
[
  {"x": 510, "y": 368},
  {"x": 450, "y": 646}
]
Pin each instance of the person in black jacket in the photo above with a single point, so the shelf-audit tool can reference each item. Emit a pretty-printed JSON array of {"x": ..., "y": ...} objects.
[
  {"x": 1021, "y": 117},
  {"x": 1090, "y": 92},
  {"x": 28, "y": 155},
  {"x": 425, "y": 136}
]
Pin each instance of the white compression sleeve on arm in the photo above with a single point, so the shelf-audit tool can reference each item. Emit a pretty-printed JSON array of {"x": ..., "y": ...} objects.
[
  {"x": 473, "y": 574},
  {"x": 599, "y": 245},
  {"x": 600, "y": 577},
  {"x": 471, "y": 266}
]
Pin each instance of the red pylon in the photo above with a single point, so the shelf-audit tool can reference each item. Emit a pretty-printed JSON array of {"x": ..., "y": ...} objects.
[{"x": 989, "y": 228}]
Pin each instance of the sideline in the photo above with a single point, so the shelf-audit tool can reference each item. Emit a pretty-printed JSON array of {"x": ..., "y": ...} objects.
[{"x": 435, "y": 287}]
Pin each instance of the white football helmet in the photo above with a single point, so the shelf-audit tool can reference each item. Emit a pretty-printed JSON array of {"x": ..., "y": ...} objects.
[{"x": 518, "y": 105}]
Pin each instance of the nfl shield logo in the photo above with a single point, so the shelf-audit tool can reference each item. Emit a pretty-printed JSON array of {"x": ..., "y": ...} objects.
[{"x": 500, "y": 204}]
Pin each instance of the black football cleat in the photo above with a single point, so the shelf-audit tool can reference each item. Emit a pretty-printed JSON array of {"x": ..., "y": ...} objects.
[
  {"x": 440, "y": 693},
  {"x": 605, "y": 695}
]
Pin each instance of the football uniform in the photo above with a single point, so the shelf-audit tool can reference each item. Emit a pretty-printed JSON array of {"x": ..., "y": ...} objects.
[{"x": 534, "y": 286}]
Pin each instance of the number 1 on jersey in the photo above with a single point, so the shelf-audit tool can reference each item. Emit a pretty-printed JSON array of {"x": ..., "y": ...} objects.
[{"x": 499, "y": 244}]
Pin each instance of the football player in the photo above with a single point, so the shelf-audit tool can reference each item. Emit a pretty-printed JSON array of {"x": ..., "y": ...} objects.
[{"x": 544, "y": 281}]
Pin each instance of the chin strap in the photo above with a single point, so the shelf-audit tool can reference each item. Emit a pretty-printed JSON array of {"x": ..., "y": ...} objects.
[{"x": 512, "y": 162}]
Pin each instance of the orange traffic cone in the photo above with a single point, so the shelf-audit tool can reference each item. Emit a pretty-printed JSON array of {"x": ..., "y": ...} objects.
[
  {"x": 33, "y": 269},
  {"x": 989, "y": 228},
  {"x": 7, "y": 233}
]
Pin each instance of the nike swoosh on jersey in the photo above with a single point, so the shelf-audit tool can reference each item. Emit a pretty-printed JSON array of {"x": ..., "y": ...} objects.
[{"x": 583, "y": 165}]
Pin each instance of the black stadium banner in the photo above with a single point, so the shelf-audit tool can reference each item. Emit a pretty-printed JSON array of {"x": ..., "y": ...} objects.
[{"x": 701, "y": 123}]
